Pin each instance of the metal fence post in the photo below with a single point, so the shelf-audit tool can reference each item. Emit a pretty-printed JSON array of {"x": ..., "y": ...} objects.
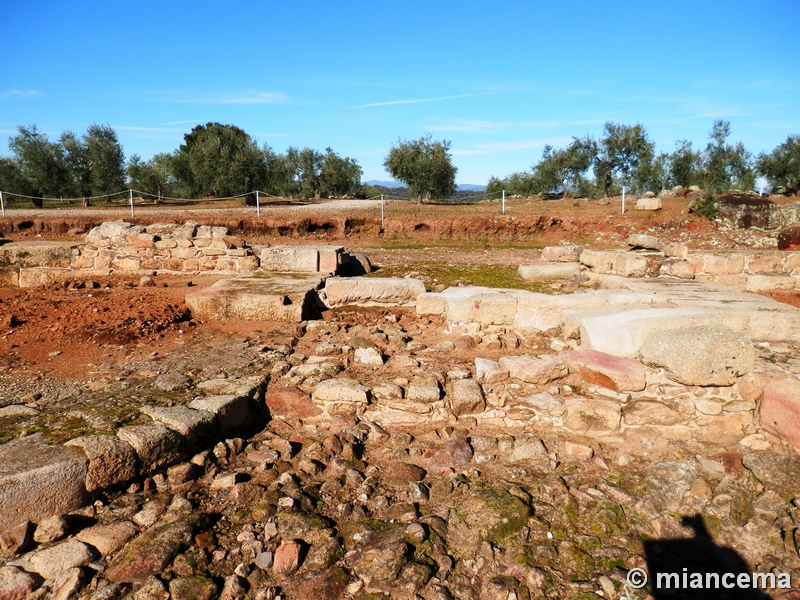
[
  {"x": 381, "y": 211},
  {"x": 2, "y": 204},
  {"x": 258, "y": 205},
  {"x": 504, "y": 202},
  {"x": 131, "y": 193}
]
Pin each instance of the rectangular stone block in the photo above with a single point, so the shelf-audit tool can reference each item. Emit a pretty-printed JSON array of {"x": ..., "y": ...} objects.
[
  {"x": 715, "y": 265},
  {"x": 765, "y": 264},
  {"x": 247, "y": 263},
  {"x": 770, "y": 283},
  {"x": 226, "y": 264},
  {"x": 82, "y": 262},
  {"x": 126, "y": 264},
  {"x": 793, "y": 263},
  {"x": 38, "y": 480},
  {"x": 630, "y": 265},
  {"x": 735, "y": 264},
  {"x": 330, "y": 257},
  {"x": 172, "y": 264},
  {"x": 549, "y": 271},
  {"x": 151, "y": 263},
  {"x": 597, "y": 260},
  {"x": 298, "y": 259}
]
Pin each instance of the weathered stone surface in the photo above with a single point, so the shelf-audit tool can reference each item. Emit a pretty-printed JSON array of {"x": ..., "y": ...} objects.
[
  {"x": 561, "y": 254},
  {"x": 329, "y": 584},
  {"x": 108, "y": 538},
  {"x": 466, "y": 397},
  {"x": 150, "y": 553},
  {"x": 378, "y": 560},
  {"x": 193, "y": 588},
  {"x": 630, "y": 265},
  {"x": 287, "y": 558},
  {"x": 368, "y": 356},
  {"x": 612, "y": 372},
  {"x": 155, "y": 446},
  {"x": 300, "y": 259},
  {"x": 152, "y": 589},
  {"x": 486, "y": 308},
  {"x": 592, "y": 415},
  {"x": 622, "y": 333},
  {"x": 452, "y": 453},
  {"x": 368, "y": 291},
  {"x": 780, "y": 409},
  {"x": 777, "y": 470},
  {"x": 648, "y": 204},
  {"x": 769, "y": 283},
  {"x": 232, "y": 411},
  {"x": 111, "y": 460},
  {"x": 642, "y": 240},
  {"x": 650, "y": 412},
  {"x": 549, "y": 271},
  {"x": 534, "y": 369},
  {"x": 486, "y": 515},
  {"x": 531, "y": 451},
  {"x": 51, "y": 529},
  {"x": 15, "y": 584},
  {"x": 704, "y": 355},
  {"x": 599, "y": 260},
  {"x": 489, "y": 371},
  {"x": 339, "y": 390},
  {"x": 270, "y": 297},
  {"x": 546, "y": 312},
  {"x": 53, "y": 561},
  {"x": 187, "y": 422},
  {"x": 680, "y": 269},
  {"x": 423, "y": 391},
  {"x": 16, "y": 539},
  {"x": 37, "y": 254},
  {"x": 789, "y": 237},
  {"x": 38, "y": 480},
  {"x": 386, "y": 391},
  {"x": 289, "y": 401}
]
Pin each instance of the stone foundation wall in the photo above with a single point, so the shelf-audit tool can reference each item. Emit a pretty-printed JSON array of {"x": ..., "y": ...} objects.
[
  {"x": 163, "y": 247},
  {"x": 753, "y": 271}
]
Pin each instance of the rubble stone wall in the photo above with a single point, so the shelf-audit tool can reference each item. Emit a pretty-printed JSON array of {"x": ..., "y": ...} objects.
[{"x": 163, "y": 247}]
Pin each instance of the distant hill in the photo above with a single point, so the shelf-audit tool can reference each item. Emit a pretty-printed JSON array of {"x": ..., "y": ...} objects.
[
  {"x": 461, "y": 187},
  {"x": 386, "y": 184}
]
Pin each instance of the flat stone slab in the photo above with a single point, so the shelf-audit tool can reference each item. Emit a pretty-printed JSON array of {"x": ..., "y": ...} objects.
[
  {"x": 38, "y": 480},
  {"x": 301, "y": 259},
  {"x": 549, "y": 271},
  {"x": 37, "y": 254},
  {"x": 372, "y": 291},
  {"x": 270, "y": 297}
]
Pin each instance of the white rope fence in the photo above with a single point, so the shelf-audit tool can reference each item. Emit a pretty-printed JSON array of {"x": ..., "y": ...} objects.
[{"x": 468, "y": 197}]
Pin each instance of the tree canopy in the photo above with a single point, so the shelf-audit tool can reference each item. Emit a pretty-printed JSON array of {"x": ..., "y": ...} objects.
[
  {"x": 782, "y": 165},
  {"x": 425, "y": 165}
]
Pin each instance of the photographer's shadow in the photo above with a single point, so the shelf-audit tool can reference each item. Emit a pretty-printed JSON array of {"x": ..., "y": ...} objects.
[{"x": 706, "y": 565}]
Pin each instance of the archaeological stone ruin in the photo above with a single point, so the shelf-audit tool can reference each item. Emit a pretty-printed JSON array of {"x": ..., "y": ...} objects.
[{"x": 381, "y": 440}]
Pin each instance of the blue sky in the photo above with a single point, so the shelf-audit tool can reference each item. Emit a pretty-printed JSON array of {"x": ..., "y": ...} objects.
[{"x": 497, "y": 79}]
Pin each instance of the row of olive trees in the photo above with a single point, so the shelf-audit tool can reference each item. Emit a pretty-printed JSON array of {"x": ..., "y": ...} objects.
[
  {"x": 214, "y": 160},
  {"x": 625, "y": 155}
]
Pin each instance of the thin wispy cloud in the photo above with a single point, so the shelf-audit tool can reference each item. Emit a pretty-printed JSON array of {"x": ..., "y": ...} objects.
[
  {"x": 420, "y": 100},
  {"x": 148, "y": 129},
  {"x": 20, "y": 94},
  {"x": 469, "y": 126},
  {"x": 185, "y": 122},
  {"x": 498, "y": 147},
  {"x": 223, "y": 98}
]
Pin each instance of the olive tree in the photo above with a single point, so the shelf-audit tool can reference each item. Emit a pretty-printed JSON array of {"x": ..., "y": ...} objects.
[
  {"x": 624, "y": 151},
  {"x": 424, "y": 165},
  {"x": 782, "y": 165}
]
